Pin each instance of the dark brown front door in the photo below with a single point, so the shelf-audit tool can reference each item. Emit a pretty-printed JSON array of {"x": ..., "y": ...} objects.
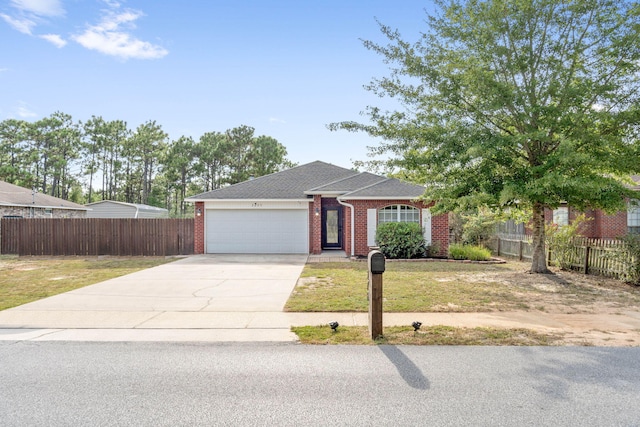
[{"x": 332, "y": 228}]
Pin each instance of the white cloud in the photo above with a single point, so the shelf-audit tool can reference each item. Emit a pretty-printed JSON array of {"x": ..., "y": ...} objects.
[
  {"x": 24, "y": 112},
  {"x": 112, "y": 36},
  {"x": 276, "y": 120},
  {"x": 54, "y": 39},
  {"x": 22, "y": 24},
  {"x": 39, "y": 7}
]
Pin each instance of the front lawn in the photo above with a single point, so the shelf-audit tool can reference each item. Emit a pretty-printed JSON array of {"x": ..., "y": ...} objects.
[
  {"x": 27, "y": 279},
  {"x": 456, "y": 287}
]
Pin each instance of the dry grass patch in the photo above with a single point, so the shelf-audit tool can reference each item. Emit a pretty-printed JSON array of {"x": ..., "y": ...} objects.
[
  {"x": 458, "y": 287},
  {"x": 27, "y": 279},
  {"x": 431, "y": 335}
]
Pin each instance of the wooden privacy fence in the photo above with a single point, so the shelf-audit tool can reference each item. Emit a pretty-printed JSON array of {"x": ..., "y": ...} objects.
[
  {"x": 589, "y": 256},
  {"x": 96, "y": 236}
]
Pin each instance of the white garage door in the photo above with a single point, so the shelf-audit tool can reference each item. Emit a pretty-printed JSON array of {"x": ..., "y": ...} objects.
[{"x": 265, "y": 231}]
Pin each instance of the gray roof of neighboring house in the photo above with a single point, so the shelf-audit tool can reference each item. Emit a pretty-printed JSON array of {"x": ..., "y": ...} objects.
[
  {"x": 135, "y": 205},
  {"x": 315, "y": 178},
  {"x": 13, "y": 195},
  {"x": 636, "y": 179}
]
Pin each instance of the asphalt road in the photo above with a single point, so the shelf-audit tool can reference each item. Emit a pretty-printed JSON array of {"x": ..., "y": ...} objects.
[{"x": 173, "y": 384}]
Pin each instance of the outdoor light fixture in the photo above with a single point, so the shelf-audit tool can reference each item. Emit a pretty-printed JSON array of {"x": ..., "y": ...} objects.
[
  {"x": 199, "y": 212},
  {"x": 334, "y": 326},
  {"x": 416, "y": 325},
  {"x": 317, "y": 211}
]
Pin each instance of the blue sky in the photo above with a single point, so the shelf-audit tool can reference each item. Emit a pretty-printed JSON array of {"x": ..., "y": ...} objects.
[{"x": 285, "y": 67}]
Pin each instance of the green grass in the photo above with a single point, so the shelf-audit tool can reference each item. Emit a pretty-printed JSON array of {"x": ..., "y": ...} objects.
[
  {"x": 408, "y": 287},
  {"x": 27, "y": 279},
  {"x": 431, "y": 335}
]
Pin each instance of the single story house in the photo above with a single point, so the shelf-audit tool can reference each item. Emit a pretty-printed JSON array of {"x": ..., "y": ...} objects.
[
  {"x": 113, "y": 209},
  {"x": 20, "y": 202},
  {"x": 308, "y": 209},
  {"x": 600, "y": 225}
]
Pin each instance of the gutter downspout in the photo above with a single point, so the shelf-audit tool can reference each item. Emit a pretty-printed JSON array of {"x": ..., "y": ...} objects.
[{"x": 353, "y": 223}]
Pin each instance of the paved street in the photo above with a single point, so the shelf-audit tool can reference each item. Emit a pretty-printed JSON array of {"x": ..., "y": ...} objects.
[{"x": 144, "y": 384}]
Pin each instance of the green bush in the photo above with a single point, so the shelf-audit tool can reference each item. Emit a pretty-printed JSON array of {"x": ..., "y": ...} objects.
[
  {"x": 628, "y": 255},
  {"x": 401, "y": 240},
  {"x": 561, "y": 242},
  {"x": 473, "y": 253}
]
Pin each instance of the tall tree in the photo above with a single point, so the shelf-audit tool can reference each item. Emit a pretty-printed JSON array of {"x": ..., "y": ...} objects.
[
  {"x": 178, "y": 169},
  {"x": 268, "y": 156},
  {"x": 149, "y": 143},
  {"x": 239, "y": 143},
  {"x": 527, "y": 103},
  {"x": 211, "y": 154},
  {"x": 12, "y": 152}
]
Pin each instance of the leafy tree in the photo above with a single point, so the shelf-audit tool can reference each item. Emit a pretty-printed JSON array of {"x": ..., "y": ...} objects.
[{"x": 526, "y": 103}]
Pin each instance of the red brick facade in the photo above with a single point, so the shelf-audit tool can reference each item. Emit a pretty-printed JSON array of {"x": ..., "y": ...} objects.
[
  {"x": 439, "y": 224},
  {"x": 599, "y": 225},
  {"x": 198, "y": 228}
]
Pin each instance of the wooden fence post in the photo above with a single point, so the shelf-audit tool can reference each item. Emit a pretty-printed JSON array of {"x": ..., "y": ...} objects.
[{"x": 587, "y": 250}]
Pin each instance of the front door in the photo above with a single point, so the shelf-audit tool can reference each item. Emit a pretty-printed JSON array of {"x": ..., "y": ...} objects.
[{"x": 332, "y": 227}]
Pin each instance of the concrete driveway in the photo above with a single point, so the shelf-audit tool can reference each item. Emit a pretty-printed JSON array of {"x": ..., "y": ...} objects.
[{"x": 199, "y": 298}]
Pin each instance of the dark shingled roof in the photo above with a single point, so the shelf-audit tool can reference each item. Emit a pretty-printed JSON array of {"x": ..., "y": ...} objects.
[
  {"x": 13, "y": 195},
  {"x": 389, "y": 188},
  {"x": 363, "y": 179},
  {"x": 287, "y": 184}
]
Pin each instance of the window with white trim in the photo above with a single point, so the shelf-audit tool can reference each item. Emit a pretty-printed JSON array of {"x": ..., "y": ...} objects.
[
  {"x": 398, "y": 213},
  {"x": 561, "y": 216},
  {"x": 633, "y": 217}
]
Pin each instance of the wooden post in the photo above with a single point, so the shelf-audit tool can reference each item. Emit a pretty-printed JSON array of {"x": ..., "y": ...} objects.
[
  {"x": 587, "y": 250},
  {"x": 376, "y": 263},
  {"x": 520, "y": 249}
]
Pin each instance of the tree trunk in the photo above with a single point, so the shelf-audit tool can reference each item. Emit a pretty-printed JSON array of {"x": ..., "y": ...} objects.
[{"x": 539, "y": 261}]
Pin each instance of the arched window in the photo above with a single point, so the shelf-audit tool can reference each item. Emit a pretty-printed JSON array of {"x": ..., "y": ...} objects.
[{"x": 398, "y": 213}]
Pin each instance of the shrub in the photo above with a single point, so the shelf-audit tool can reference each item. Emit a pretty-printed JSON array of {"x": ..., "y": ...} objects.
[
  {"x": 400, "y": 240},
  {"x": 470, "y": 252},
  {"x": 561, "y": 242},
  {"x": 628, "y": 255}
]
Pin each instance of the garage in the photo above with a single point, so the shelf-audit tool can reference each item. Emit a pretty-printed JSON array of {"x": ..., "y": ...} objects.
[{"x": 274, "y": 231}]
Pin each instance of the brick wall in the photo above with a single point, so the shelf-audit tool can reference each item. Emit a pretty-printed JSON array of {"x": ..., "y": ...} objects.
[
  {"x": 439, "y": 225},
  {"x": 599, "y": 225},
  {"x": 198, "y": 229},
  {"x": 25, "y": 212}
]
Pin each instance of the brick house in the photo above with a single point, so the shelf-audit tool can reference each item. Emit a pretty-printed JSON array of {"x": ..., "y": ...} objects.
[
  {"x": 308, "y": 209},
  {"x": 20, "y": 202},
  {"x": 601, "y": 225}
]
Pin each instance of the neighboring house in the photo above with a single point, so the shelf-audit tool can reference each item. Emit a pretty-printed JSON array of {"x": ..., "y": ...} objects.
[
  {"x": 20, "y": 202},
  {"x": 600, "y": 225},
  {"x": 308, "y": 209},
  {"x": 113, "y": 209}
]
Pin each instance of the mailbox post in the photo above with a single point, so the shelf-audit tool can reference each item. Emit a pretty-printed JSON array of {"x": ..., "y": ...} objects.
[{"x": 376, "y": 268}]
